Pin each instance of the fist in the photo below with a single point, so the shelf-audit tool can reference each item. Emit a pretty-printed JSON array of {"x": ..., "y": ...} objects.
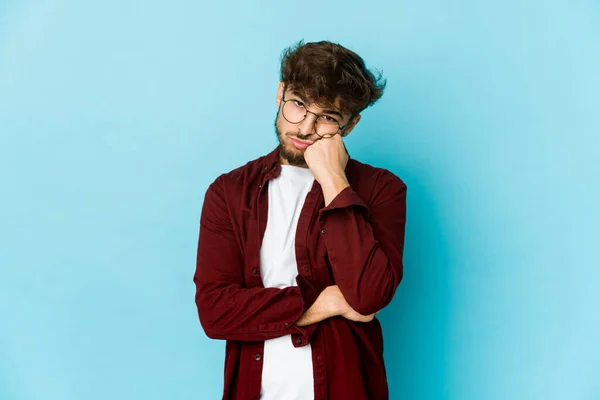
[{"x": 325, "y": 157}]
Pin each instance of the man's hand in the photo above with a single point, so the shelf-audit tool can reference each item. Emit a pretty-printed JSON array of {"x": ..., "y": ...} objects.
[
  {"x": 344, "y": 308},
  {"x": 331, "y": 303},
  {"x": 327, "y": 159}
]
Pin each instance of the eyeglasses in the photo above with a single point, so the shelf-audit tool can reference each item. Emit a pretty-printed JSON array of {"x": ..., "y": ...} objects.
[{"x": 326, "y": 126}]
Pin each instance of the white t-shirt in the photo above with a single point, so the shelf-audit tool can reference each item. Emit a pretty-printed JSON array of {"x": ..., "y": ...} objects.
[{"x": 287, "y": 370}]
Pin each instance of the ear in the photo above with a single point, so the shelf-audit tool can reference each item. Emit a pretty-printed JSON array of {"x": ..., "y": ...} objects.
[
  {"x": 279, "y": 94},
  {"x": 351, "y": 125}
]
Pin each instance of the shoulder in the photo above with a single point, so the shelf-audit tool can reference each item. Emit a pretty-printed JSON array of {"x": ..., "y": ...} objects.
[
  {"x": 371, "y": 180},
  {"x": 239, "y": 179},
  {"x": 241, "y": 173}
]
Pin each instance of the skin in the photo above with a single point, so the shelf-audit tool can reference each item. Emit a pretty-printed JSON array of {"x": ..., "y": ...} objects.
[
  {"x": 327, "y": 159},
  {"x": 331, "y": 303}
]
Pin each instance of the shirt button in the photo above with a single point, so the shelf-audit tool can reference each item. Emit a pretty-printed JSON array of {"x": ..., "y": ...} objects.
[
  {"x": 266, "y": 168},
  {"x": 298, "y": 341},
  {"x": 286, "y": 324},
  {"x": 257, "y": 357},
  {"x": 323, "y": 231},
  {"x": 259, "y": 186},
  {"x": 254, "y": 271}
]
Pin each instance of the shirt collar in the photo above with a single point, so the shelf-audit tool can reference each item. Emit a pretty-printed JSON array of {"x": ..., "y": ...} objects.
[{"x": 271, "y": 161}]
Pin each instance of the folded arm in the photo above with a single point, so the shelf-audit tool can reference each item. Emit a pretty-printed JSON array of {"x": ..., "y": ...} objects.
[
  {"x": 227, "y": 309},
  {"x": 365, "y": 243}
]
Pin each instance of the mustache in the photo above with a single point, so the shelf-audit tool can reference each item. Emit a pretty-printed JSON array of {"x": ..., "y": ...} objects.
[{"x": 301, "y": 137}]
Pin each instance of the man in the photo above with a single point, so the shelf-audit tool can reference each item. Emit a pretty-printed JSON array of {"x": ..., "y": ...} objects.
[{"x": 300, "y": 248}]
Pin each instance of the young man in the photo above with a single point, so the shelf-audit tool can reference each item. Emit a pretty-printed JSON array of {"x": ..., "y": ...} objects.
[{"x": 300, "y": 248}]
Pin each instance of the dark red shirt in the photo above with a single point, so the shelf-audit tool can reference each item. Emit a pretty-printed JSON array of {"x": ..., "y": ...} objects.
[{"x": 356, "y": 242}]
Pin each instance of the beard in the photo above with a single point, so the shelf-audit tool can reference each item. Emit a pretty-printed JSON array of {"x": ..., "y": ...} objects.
[{"x": 288, "y": 152}]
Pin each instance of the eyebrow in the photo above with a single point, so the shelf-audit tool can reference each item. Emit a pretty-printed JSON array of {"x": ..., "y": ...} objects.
[{"x": 328, "y": 111}]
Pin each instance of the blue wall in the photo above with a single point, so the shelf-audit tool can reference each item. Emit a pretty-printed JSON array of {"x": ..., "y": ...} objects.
[{"x": 116, "y": 115}]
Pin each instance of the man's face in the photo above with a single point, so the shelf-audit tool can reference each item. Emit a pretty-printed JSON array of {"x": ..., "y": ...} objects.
[{"x": 294, "y": 138}]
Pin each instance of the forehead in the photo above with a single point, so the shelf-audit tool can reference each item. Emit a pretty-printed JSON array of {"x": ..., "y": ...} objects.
[{"x": 321, "y": 103}]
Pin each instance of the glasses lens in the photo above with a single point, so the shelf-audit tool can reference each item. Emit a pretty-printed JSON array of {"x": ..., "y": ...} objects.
[
  {"x": 326, "y": 126},
  {"x": 293, "y": 111}
]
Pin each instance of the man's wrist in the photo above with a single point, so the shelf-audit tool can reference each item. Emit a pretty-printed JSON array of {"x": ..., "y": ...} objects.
[{"x": 332, "y": 187}]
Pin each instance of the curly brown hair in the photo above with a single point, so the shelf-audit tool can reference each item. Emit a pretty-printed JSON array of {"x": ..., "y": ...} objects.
[{"x": 326, "y": 72}]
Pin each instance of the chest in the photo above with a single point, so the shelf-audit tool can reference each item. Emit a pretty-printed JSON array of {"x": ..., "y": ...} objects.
[{"x": 276, "y": 227}]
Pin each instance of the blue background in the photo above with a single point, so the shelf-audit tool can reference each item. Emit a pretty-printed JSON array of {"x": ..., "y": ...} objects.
[{"x": 116, "y": 115}]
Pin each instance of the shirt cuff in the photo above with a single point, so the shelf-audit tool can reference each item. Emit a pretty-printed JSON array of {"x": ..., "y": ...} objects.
[
  {"x": 309, "y": 294},
  {"x": 347, "y": 197}
]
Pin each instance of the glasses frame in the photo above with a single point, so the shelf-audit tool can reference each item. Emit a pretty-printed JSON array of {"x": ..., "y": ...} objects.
[{"x": 327, "y": 136}]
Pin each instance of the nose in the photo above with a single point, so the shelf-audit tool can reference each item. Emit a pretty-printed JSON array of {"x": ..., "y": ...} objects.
[{"x": 307, "y": 126}]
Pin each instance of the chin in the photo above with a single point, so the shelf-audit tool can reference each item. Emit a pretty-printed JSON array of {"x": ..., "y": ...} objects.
[{"x": 293, "y": 155}]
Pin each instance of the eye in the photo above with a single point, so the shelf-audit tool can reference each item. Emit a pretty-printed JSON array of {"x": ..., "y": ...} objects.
[
  {"x": 298, "y": 103},
  {"x": 330, "y": 119}
]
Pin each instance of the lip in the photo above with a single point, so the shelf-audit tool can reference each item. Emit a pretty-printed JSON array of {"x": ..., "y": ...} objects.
[{"x": 300, "y": 144}]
